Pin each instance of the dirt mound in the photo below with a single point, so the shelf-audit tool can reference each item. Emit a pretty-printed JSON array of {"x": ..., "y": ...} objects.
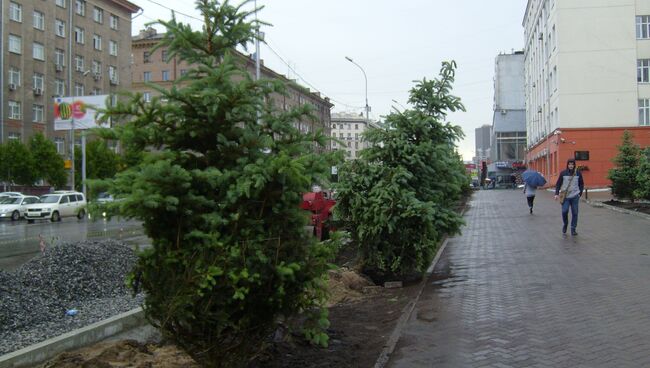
[
  {"x": 125, "y": 353},
  {"x": 345, "y": 285}
]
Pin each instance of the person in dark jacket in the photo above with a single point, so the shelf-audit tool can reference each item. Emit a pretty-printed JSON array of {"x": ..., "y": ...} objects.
[{"x": 573, "y": 185}]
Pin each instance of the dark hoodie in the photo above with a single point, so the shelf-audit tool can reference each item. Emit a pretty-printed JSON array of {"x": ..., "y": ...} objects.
[{"x": 577, "y": 184}]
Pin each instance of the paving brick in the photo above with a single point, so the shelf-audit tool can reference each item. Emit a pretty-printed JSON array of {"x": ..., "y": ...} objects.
[{"x": 512, "y": 291}]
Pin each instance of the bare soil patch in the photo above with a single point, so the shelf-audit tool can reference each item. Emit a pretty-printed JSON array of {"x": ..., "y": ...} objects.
[
  {"x": 642, "y": 207},
  {"x": 362, "y": 317}
]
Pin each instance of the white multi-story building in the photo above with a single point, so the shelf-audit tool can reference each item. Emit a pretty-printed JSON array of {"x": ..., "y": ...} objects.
[
  {"x": 587, "y": 79},
  {"x": 348, "y": 129}
]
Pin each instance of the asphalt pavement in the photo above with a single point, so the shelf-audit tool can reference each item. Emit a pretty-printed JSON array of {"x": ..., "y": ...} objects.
[{"x": 20, "y": 241}]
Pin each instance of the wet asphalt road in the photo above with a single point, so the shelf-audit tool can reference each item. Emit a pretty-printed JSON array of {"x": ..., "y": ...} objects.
[{"x": 20, "y": 241}]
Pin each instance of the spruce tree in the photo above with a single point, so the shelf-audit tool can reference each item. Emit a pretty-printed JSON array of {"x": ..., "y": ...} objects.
[
  {"x": 398, "y": 199},
  {"x": 218, "y": 190},
  {"x": 624, "y": 174},
  {"x": 643, "y": 177}
]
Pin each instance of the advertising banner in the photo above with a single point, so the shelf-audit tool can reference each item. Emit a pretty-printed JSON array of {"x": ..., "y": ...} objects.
[{"x": 82, "y": 110}]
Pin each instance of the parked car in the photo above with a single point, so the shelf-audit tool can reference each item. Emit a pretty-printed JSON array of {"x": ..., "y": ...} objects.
[
  {"x": 56, "y": 205},
  {"x": 104, "y": 197},
  {"x": 15, "y": 207},
  {"x": 10, "y": 194}
]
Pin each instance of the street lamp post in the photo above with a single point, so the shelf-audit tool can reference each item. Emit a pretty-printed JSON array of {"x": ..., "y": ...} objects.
[
  {"x": 83, "y": 145},
  {"x": 366, "y": 78}
]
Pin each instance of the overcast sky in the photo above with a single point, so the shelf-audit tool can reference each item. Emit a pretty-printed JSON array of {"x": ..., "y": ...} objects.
[{"x": 395, "y": 42}]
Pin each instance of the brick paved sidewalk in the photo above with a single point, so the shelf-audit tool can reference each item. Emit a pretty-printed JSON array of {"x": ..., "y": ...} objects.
[{"x": 512, "y": 291}]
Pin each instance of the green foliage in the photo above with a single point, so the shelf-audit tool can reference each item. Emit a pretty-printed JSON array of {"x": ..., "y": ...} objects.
[
  {"x": 219, "y": 192},
  {"x": 398, "y": 199},
  {"x": 624, "y": 175},
  {"x": 101, "y": 162},
  {"x": 48, "y": 164},
  {"x": 17, "y": 164},
  {"x": 643, "y": 177}
]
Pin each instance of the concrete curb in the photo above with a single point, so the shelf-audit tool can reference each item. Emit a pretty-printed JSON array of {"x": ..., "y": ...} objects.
[
  {"x": 81, "y": 337},
  {"x": 407, "y": 312},
  {"x": 617, "y": 209}
]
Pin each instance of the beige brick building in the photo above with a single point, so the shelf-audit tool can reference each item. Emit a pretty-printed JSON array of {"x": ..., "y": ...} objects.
[
  {"x": 349, "y": 127},
  {"x": 59, "y": 48},
  {"x": 150, "y": 67}
]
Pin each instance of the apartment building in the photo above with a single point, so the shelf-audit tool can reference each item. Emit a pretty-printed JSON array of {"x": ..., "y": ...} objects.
[
  {"x": 587, "y": 80},
  {"x": 58, "y": 48},
  {"x": 151, "y": 66},
  {"x": 348, "y": 128}
]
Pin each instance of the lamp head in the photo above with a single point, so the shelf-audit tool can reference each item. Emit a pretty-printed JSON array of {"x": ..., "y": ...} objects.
[
  {"x": 348, "y": 59},
  {"x": 86, "y": 72}
]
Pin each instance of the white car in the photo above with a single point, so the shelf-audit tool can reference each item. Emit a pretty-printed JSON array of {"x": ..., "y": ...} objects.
[
  {"x": 56, "y": 205},
  {"x": 9, "y": 194},
  {"x": 15, "y": 207}
]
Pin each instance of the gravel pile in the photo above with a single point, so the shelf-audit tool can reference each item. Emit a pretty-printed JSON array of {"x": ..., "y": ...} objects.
[{"x": 87, "y": 276}]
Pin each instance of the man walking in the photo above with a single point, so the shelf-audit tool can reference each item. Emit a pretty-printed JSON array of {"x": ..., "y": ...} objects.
[{"x": 569, "y": 187}]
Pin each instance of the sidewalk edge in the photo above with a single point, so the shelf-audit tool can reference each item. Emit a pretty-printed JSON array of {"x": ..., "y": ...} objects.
[
  {"x": 384, "y": 357},
  {"x": 84, "y": 336},
  {"x": 617, "y": 209}
]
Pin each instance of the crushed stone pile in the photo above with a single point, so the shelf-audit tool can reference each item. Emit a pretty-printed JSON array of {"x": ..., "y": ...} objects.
[{"x": 88, "y": 276}]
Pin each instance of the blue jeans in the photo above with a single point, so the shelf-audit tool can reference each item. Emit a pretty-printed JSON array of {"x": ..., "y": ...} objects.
[{"x": 573, "y": 203}]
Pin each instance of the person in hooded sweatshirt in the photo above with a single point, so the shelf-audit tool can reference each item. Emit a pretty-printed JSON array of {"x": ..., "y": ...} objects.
[{"x": 574, "y": 188}]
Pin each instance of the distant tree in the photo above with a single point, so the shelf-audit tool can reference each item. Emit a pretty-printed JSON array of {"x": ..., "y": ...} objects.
[
  {"x": 624, "y": 174},
  {"x": 101, "y": 161},
  {"x": 48, "y": 164},
  {"x": 643, "y": 177},
  {"x": 17, "y": 164}
]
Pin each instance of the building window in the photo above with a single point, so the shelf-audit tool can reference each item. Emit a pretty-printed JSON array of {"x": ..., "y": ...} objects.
[
  {"x": 37, "y": 113},
  {"x": 59, "y": 57},
  {"x": 15, "y": 12},
  {"x": 98, "y": 15},
  {"x": 164, "y": 56},
  {"x": 15, "y": 44},
  {"x": 79, "y": 63},
  {"x": 643, "y": 26},
  {"x": 146, "y": 96},
  {"x": 13, "y": 136},
  {"x": 643, "y": 70},
  {"x": 38, "y": 80},
  {"x": 14, "y": 76},
  {"x": 112, "y": 74},
  {"x": 79, "y": 35},
  {"x": 112, "y": 48},
  {"x": 356, "y": 136},
  {"x": 644, "y": 112},
  {"x": 333, "y": 126},
  {"x": 356, "y": 126},
  {"x": 60, "y": 144},
  {"x": 15, "y": 110},
  {"x": 165, "y": 75},
  {"x": 146, "y": 76},
  {"x": 59, "y": 87},
  {"x": 96, "y": 91},
  {"x": 39, "y": 20},
  {"x": 79, "y": 89},
  {"x": 114, "y": 21},
  {"x": 340, "y": 135},
  {"x": 59, "y": 28},
  {"x": 97, "y": 42},
  {"x": 356, "y": 144},
  {"x": 38, "y": 51},
  {"x": 60, "y": 3},
  {"x": 80, "y": 7},
  {"x": 97, "y": 68},
  {"x": 146, "y": 57},
  {"x": 184, "y": 71},
  {"x": 581, "y": 155}
]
